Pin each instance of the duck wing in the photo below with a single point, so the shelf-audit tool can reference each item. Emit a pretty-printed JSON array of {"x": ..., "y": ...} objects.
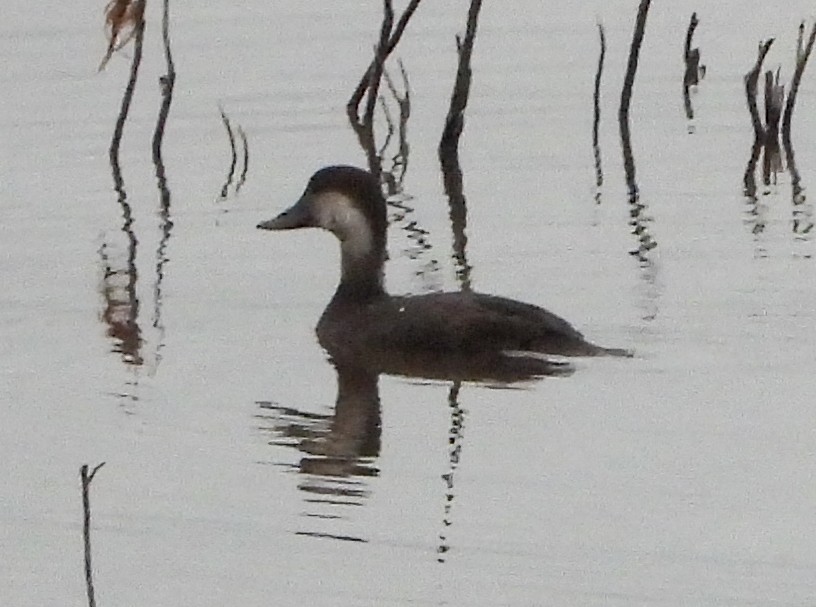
[{"x": 472, "y": 322}]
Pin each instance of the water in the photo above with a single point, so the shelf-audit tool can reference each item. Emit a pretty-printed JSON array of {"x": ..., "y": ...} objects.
[{"x": 235, "y": 471}]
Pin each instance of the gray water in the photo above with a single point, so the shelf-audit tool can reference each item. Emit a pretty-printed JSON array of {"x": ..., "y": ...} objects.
[{"x": 683, "y": 476}]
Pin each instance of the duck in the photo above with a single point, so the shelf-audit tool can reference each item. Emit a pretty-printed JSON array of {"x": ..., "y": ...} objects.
[{"x": 363, "y": 320}]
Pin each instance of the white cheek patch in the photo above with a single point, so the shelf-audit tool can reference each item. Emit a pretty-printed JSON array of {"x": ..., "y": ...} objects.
[{"x": 336, "y": 213}]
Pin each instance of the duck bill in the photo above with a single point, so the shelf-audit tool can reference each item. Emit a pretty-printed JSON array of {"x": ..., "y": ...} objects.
[{"x": 297, "y": 216}]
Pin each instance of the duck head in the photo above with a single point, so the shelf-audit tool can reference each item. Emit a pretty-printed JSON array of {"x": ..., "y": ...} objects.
[{"x": 348, "y": 202}]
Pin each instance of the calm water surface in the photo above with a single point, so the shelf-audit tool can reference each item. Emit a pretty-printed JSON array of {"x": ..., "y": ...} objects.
[{"x": 176, "y": 344}]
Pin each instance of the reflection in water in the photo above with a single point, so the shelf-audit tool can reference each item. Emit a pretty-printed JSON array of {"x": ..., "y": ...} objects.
[
  {"x": 638, "y": 218},
  {"x": 166, "y": 82},
  {"x": 339, "y": 449},
  {"x": 119, "y": 270},
  {"x": 596, "y": 115},
  {"x": 774, "y": 97},
  {"x": 756, "y": 217},
  {"x": 121, "y": 304},
  {"x": 802, "y": 210},
  {"x": 393, "y": 176},
  {"x": 455, "y": 438},
  {"x": 766, "y": 140},
  {"x": 756, "y": 210}
]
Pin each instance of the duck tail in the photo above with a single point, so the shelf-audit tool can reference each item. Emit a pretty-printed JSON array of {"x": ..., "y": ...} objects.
[{"x": 619, "y": 352}]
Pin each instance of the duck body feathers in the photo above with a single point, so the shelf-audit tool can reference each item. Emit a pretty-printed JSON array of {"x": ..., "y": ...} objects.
[{"x": 457, "y": 322}]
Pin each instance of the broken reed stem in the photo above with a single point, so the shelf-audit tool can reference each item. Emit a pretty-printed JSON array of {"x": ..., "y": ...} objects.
[
  {"x": 691, "y": 76},
  {"x": 751, "y": 81},
  {"x": 596, "y": 113},
  {"x": 802, "y": 55},
  {"x": 637, "y": 219},
  {"x": 127, "y": 97},
  {"x": 455, "y": 120},
  {"x": 379, "y": 62},
  {"x": 449, "y": 146},
  {"x": 166, "y": 82},
  {"x": 357, "y": 96},
  {"x": 86, "y": 478},
  {"x": 234, "y": 161},
  {"x": 390, "y": 35},
  {"x": 692, "y": 57},
  {"x": 693, "y": 22},
  {"x": 626, "y": 96}
]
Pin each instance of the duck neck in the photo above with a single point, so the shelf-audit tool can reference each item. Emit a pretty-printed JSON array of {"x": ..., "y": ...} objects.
[{"x": 361, "y": 276}]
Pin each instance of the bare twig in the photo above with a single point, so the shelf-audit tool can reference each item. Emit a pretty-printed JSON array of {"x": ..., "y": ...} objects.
[
  {"x": 127, "y": 97},
  {"x": 86, "y": 478},
  {"x": 390, "y": 35},
  {"x": 166, "y": 82}
]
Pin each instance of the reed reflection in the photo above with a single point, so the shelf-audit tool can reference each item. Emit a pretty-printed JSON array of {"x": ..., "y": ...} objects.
[
  {"x": 455, "y": 439},
  {"x": 120, "y": 311},
  {"x": 802, "y": 211},
  {"x": 120, "y": 276},
  {"x": 166, "y": 84},
  {"x": 392, "y": 161}
]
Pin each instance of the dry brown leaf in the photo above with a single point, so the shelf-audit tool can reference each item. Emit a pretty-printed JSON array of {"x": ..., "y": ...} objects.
[{"x": 123, "y": 18}]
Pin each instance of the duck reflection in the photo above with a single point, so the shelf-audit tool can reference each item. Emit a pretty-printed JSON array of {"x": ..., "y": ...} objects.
[{"x": 339, "y": 449}]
